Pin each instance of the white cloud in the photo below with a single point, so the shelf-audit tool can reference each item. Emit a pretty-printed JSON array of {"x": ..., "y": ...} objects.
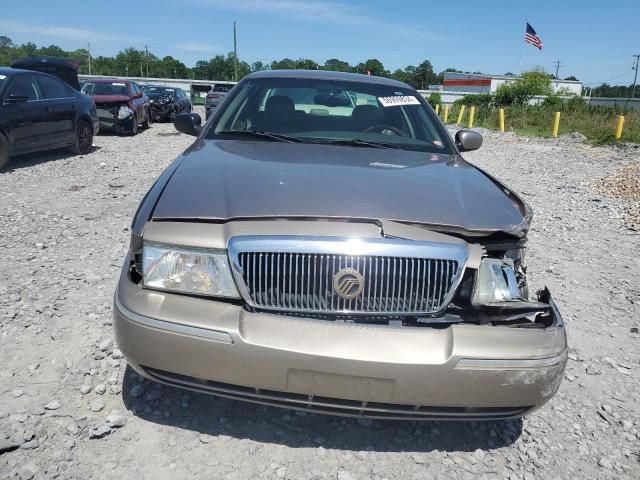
[
  {"x": 324, "y": 11},
  {"x": 70, "y": 33},
  {"x": 196, "y": 47}
]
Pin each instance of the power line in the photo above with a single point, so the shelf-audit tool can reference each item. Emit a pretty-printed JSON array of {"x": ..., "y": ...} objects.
[
  {"x": 609, "y": 79},
  {"x": 146, "y": 53},
  {"x": 635, "y": 77},
  {"x": 557, "y": 65},
  {"x": 235, "y": 53},
  {"x": 89, "y": 56}
]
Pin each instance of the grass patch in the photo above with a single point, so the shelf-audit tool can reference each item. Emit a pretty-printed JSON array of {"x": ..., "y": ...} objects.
[{"x": 596, "y": 123}]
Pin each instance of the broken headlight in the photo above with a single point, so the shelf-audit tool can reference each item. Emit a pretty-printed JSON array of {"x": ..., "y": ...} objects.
[
  {"x": 495, "y": 283},
  {"x": 124, "y": 112},
  {"x": 183, "y": 270}
]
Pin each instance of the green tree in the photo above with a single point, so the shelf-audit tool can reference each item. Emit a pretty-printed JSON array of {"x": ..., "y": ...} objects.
[
  {"x": 424, "y": 75},
  {"x": 259, "y": 66},
  {"x": 520, "y": 91},
  {"x": 336, "y": 65},
  {"x": 372, "y": 66}
]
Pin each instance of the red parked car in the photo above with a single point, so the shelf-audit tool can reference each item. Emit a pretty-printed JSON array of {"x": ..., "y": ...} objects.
[{"x": 121, "y": 104}]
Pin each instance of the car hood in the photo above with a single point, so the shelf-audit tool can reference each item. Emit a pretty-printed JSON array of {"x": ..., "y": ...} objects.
[
  {"x": 110, "y": 98},
  {"x": 229, "y": 179},
  {"x": 158, "y": 95}
]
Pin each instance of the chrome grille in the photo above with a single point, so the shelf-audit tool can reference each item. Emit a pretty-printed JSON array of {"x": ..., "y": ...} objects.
[{"x": 297, "y": 275}]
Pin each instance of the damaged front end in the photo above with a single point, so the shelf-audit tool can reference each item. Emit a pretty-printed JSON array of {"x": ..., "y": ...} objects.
[
  {"x": 117, "y": 116},
  {"x": 163, "y": 107}
]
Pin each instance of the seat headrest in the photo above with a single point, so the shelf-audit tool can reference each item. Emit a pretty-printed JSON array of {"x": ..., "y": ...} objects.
[
  {"x": 279, "y": 105},
  {"x": 365, "y": 116}
]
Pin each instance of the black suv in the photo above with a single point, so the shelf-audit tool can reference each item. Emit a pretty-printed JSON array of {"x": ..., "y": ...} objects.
[{"x": 39, "y": 111}]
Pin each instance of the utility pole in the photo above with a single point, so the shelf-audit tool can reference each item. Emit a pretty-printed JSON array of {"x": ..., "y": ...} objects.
[
  {"x": 89, "y": 56},
  {"x": 557, "y": 65},
  {"x": 146, "y": 51},
  {"x": 635, "y": 78},
  {"x": 235, "y": 53}
]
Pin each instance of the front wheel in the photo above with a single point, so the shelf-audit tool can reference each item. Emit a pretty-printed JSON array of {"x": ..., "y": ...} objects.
[
  {"x": 148, "y": 121},
  {"x": 134, "y": 126},
  {"x": 83, "y": 139},
  {"x": 4, "y": 152}
]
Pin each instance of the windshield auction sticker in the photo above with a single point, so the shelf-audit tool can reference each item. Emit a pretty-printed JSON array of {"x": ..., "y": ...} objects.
[{"x": 399, "y": 100}]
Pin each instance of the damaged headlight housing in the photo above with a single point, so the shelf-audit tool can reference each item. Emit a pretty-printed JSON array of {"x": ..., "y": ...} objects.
[
  {"x": 495, "y": 283},
  {"x": 124, "y": 112},
  {"x": 185, "y": 270}
]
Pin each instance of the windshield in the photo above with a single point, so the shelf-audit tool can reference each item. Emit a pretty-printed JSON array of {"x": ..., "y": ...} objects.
[
  {"x": 105, "y": 88},
  {"x": 158, "y": 90},
  {"x": 331, "y": 111}
]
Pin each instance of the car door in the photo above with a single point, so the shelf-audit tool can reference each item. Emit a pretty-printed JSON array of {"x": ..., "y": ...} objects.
[
  {"x": 138, "y": 101},
  {"x": 180, "y": 101},
  {"x": 61, "y": 106},
  {"x": 23, "y": 107}
]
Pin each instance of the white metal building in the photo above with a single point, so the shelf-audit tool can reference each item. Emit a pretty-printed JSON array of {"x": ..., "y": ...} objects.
[{"x": 479, "y": 83}]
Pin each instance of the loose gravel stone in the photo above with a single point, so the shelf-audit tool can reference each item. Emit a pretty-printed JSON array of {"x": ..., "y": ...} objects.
[{"x": 97, "y": 405}]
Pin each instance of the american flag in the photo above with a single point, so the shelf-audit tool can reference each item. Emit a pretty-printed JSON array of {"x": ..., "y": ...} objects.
[{"x": 530, "y": 36}]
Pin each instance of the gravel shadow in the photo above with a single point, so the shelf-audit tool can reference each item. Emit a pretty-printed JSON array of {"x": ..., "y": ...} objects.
[
  {"x": 214, "y": 416},
  {"x": 31, "y": 159}
]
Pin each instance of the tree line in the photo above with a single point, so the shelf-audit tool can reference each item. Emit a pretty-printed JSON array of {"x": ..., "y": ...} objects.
[{"x": 141, "y": 63}]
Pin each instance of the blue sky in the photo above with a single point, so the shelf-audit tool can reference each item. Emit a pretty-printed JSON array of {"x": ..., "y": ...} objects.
[{"x": 594, "y": 40}]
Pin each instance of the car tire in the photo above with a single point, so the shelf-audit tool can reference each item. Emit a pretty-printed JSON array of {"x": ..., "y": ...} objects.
[
  {"x": 148, "y": 121},
  {"x": 83, "y": 139},
  {"x": 4, "y": 152},
  {"x": 134, "y": 127}
]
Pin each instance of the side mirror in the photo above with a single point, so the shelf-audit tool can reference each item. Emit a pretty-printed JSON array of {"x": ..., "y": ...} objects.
[
  {"x": 13, "y": 98},
  {"x": 137, "y": 95},
  {"x": 189, "y": 123},
  {"x": 467, "y": 140}
]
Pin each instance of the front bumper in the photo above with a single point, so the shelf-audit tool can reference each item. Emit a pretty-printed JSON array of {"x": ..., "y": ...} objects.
[
  {"x": 162, "y": 111},
  {"x": 119, "y": 125},
  {"x": 463, "y": 371}
]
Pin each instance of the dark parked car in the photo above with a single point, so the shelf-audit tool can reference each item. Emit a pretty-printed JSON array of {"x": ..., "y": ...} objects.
[
  {"x": 166, "y": 102},
  {"x": 121, "y": 104},
  {"x": 39, "y": 112},
  {"x": 65, "y": 69},
  {"x": 324, "y": 246},
  {"x": 215, "y": 96}
]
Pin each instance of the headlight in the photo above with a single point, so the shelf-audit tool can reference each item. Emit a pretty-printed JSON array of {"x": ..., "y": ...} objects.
[
  {"x": 124, "y": 112},
  {"x": 195, "y": 271},
  {"x": 495, "y": 282}
]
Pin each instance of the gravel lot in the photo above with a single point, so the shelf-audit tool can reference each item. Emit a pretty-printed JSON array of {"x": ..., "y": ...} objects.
[{"x": 69, "y": 407}]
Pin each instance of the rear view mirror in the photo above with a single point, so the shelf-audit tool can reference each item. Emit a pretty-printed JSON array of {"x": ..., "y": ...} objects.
[
  {"x": 467, "y": 140},
  {"x": 14, "y": 98},
  {"x": 189, "y": 123},
  {"x": 332, "y": 101}
]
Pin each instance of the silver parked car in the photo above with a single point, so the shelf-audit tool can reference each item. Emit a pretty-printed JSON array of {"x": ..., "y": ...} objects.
[
  {"x": 324, "y": 246},
  {"x": 215, "y": 96}
]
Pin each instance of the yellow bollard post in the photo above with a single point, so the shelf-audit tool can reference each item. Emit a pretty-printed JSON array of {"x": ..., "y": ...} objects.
[
  {"x": 556, "y": 124},
  {"x": 446, "y": 113},
  {"x": 438, "y": 109},
  {"x": 501, "y": 117},
  {"x": 460, "y": 114},
  {"x": 472, "y": 114},
  {"x": 619, "y": 126}
]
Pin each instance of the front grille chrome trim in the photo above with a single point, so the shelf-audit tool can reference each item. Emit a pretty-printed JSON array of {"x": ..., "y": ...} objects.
[{"x": 390, "y": 263}]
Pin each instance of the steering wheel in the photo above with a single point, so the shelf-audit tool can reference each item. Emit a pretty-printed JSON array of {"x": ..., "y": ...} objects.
[{"x": 381, "y": 128}]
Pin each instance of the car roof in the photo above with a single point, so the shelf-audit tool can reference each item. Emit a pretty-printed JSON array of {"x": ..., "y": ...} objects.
[
  {"x": 107, "y": 80},
  {"x": 58, "y": 61},
  {"x": 327, "y": 75},
  {"x": 10, "y": 71}
]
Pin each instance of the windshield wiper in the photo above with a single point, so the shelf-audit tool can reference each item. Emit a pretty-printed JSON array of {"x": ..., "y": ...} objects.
[
  {"x": 356, "y": 142},
  {"x": 261, "y": 134}
]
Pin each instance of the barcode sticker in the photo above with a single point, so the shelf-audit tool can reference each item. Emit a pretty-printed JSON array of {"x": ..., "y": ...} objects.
[{"x": 398, "y": 100}]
